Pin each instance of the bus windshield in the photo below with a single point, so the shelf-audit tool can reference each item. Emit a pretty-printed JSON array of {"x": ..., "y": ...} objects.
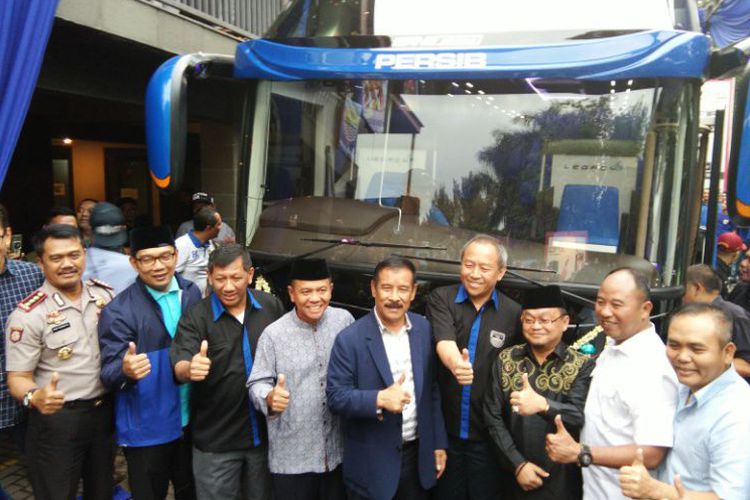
[{"x": 575, "y": 177}]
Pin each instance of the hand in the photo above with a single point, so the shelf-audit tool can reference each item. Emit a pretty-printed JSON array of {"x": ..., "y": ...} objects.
[
  {"x": 48, "y": 400},
  {"x": 527, "y": 401},
  {"x": 441, "y": 457},
  {"x": 681, "y": 492},
  {"x": 278, "y": 399},
  {"x": 635, "y": 481},
  {"x": 561, "y": 447},
  {"x": 394, "y": 398},
  {"x": 200, "y": 364},
  {"x": 462, "y": 369},
  {"x": 135, "y": 366},
  {"x": 530, "y": 476}
]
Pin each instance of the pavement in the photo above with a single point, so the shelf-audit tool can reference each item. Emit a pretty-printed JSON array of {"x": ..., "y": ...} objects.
[{"x": 13, "y": 476}]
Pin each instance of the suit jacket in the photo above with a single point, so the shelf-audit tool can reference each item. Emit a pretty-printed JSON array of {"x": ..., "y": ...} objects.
[{"x": 357, "y": 370}]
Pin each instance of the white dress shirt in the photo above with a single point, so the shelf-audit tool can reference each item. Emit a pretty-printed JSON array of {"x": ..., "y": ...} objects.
[
  {"x": 398, "y": 351},
  {"x": 632, "y": 400}
]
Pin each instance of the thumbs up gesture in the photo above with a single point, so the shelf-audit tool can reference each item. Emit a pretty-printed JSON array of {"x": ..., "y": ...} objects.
[
  {"x": 527, "y": 401},
  {"x": 561, "y": 447},
  {"x": 394, "y": 397},
  {"x": 462, "y": 369},
  {"x": 635, "y": 481},
  {"x": 135, "y": 366},
  {"x": 278, "y": 399},
  {"x": 48, "y": 399},
  {"x": 200, "y": 364}
]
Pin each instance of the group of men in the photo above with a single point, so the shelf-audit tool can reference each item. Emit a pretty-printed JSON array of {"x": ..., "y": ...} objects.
[{"x": 224, "y": 394}]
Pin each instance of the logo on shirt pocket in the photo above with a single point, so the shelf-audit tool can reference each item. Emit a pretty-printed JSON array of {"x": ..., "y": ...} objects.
[{"x": 497, "y": 339}]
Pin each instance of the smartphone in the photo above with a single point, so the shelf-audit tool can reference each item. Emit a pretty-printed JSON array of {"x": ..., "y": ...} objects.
[{"x": 16, "y": 245}]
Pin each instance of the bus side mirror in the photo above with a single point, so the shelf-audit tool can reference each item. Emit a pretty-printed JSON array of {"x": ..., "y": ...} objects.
[{"x": 166, "y": 112}]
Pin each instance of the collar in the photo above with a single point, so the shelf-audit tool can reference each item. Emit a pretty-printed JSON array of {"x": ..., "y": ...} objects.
[
  {"x": 383, "y": 329},
  {"x": 198, "y": 243},
  {"x": 462, "y": 296},
  {"x": 217, "y": 308},
  {"x": 158, "y": 294},
  {"x": 706, "y": 393},
  {"x": 9, "y": 267},
  {"x": 61, "y": 301},
  {"x": 307, "y": 326},
  {"x": 559, "y": 351},
  {"x": 635, "y": 344}
]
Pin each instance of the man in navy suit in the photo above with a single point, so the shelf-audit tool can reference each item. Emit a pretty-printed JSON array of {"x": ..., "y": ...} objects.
[{"x": 382, "y": 381}]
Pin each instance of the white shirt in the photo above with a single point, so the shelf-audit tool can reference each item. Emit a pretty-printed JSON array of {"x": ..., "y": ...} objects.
[
  {"x": 192, "y": 260},
  {"x": 632, "y": 400},
  {"x": 398, "y": 351}
]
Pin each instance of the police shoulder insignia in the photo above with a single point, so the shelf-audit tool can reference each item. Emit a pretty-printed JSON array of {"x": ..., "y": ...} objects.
[
  {"x": 32, "y": 301},
  {"x": 16, "y": 334},
  {"x": 98, "y": 282}
]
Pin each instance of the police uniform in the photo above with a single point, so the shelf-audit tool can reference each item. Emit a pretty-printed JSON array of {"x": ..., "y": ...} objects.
[{"x": 50, "y": 333}]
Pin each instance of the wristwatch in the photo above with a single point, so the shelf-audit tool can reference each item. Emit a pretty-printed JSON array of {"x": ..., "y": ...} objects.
[
  {"x": 27, "y": 398},
  {"x": 584, "y": 457}
]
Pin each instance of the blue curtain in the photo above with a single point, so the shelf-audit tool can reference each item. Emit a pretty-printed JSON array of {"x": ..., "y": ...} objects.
[
  {"x": 730, "y": 22},
  {"x": 24, "y": 30}
]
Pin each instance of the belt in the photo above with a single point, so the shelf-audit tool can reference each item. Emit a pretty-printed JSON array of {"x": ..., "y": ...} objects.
[
  {"x": 85, "y": 403},
  {"x": 409, "y": 444}
]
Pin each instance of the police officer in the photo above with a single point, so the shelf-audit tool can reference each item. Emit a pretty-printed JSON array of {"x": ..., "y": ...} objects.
[{"x": 53, "y": 367}]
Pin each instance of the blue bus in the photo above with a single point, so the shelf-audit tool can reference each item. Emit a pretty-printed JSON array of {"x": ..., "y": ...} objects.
[{"x": 569, "y": 130}]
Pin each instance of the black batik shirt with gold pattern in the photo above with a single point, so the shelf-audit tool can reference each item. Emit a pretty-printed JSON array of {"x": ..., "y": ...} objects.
[{"x": 563, "y": 378}]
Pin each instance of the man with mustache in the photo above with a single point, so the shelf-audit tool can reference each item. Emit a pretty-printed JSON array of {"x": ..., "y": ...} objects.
[
  {"x": 471, "y": 322},
  {"x": 633, "y": 393},
  {"x": 53, "y": 368},
  {"x": 381, "y": 380}
]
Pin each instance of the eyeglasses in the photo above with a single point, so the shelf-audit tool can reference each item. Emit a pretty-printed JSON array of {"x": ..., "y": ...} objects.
[
  {"x": 148, "y": 260},
  {"x": 529, "y": 321}
]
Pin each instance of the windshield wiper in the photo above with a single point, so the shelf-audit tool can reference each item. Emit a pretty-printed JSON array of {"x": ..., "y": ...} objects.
[
  {"x": 376, "y": 244},
  {"x": 333, "y": 243}
]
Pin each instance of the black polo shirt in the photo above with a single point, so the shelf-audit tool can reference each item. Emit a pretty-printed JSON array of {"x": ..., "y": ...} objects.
[
  {"x": 452, "y": 316},
  {"x": 220, "y": 416}
]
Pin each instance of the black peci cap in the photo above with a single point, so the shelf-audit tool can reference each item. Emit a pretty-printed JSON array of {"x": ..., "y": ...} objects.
[
  {"x": 543, "y": 297},
  {"x": 142, "y": 238},
  {"x": 309, "y": 270}
]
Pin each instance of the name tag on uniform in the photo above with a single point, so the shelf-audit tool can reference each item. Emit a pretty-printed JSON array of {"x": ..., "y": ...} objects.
[
  {"x": 60, "y": 327},
  {"x": 497, "y": 339}
]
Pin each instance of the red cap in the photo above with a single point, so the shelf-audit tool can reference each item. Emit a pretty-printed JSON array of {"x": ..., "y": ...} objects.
[{"x": 731, "y": 242}]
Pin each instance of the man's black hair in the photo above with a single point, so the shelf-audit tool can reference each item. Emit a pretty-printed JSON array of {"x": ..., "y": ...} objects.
[
  {"x": 56, "y": 232},
  {"x": 226, "y": 254},
  {"x": 60, "y": 212},
  {"x": 721, "y": 319},
  {"x": 84, "y": 201},
  {"x": 705, "y": 276},
  {"x": 395, "y": 263},
  {"x": 641, "y": 281},
  {"x": 204, "y": 218}
]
